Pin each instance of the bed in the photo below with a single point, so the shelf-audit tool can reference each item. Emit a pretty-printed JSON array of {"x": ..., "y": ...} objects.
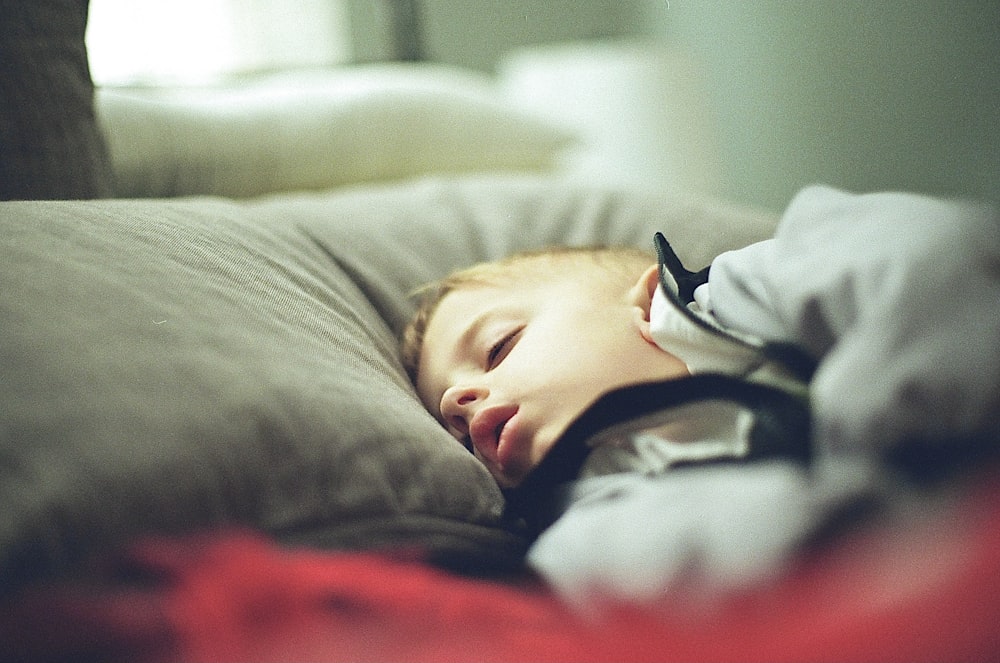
[{"x": 210, "y": 450}]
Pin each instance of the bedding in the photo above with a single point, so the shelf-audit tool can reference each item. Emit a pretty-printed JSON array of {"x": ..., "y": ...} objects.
[
  {"x": 318, "y": 129},
  {"x": 177, "y": 364},
  {"x": 221, "y": 376},
  {"x": 923, "y": 589}
]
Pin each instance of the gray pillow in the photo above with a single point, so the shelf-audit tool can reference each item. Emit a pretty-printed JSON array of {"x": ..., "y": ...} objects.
[
  {"x": 406, "y": 235},
  {"x": 171, "y": 365}
]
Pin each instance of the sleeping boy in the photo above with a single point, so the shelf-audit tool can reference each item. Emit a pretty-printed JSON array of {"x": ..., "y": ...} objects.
[{"x": 647, "y": 420}]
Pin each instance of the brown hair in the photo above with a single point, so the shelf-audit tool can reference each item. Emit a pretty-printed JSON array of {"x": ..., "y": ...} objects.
[{"x": 522, "y": 266}]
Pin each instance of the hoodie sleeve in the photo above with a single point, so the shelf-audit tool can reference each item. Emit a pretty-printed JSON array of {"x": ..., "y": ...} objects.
[{"x": 896, "y": 295}]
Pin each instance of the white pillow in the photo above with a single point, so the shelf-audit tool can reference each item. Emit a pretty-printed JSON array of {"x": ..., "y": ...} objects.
[{"x": 317, "y": 130}]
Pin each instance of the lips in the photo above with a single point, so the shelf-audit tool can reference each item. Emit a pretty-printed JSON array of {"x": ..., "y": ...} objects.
[{"x": 487, "y": 430}]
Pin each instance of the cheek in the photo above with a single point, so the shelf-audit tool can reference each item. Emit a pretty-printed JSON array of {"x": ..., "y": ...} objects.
[
  {"x": 571, "y": 369},
  {"x": 619, "y": 364},
  {"x": 571, "y": 377}
]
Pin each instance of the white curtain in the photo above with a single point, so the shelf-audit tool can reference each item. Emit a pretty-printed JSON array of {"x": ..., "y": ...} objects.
[{"x": 200, "y": 41}]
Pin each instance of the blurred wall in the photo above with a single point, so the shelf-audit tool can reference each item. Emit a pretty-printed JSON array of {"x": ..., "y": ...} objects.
[
  {"x": 859, "y": 94},
  {"x": 477, "y": 32}
]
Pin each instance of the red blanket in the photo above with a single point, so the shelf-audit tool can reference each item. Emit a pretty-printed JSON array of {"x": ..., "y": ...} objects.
[{"x": 927, "y": 592}]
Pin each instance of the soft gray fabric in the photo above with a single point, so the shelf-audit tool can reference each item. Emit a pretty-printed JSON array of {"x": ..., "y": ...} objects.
[
  {"x": 50, "y": 145},
  {"x": 173, "y": 364},
  {"x": 407, "y": 235},
  {"x": 902, "y": 305}
]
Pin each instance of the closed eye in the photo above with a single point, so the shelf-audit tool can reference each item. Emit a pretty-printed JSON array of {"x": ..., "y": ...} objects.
[{"x": 499, "y": 350}]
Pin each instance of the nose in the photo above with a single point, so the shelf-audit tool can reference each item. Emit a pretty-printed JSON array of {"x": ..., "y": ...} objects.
[{"x": 459, "y": 404}]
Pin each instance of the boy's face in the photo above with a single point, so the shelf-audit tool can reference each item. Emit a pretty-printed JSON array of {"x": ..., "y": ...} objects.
[{"x": 507, "y": 369}]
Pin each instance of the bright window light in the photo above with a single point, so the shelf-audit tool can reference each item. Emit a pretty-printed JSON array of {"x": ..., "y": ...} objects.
[{"x": 201, "y": 41}]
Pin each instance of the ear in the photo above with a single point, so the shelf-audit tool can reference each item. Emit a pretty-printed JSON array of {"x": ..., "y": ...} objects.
[{"x": 640, "y": 298}]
